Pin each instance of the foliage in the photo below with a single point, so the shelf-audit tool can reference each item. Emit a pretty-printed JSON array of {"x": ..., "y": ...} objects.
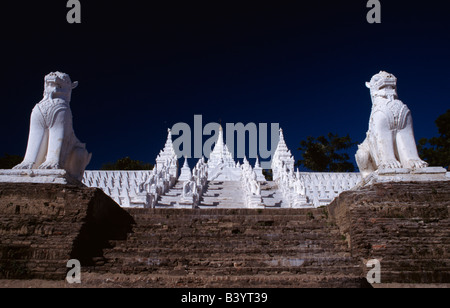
[
  {"x": 436, "y": 151},
  {"x": 268, "y": 174},
  {"x": 326, "y": 154},
  {"x": 127, "y": 163},
  {"x": 9, "y": 161}
]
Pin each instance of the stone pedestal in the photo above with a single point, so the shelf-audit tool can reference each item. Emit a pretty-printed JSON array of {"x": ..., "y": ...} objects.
[
  {"x": 405, "y": 225},
  {"x": 429, "y": 174},
  {"x": 42, "y": 226},
  {"x": 53, "y": 176}
]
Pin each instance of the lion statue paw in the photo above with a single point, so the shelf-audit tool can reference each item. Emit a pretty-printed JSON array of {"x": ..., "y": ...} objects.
[
  {"x": 50, "y": 165},
  {"x": 391, "y": 164},
  {"x": 416, "y": 164},
  {"x": 24, "y": 165}
]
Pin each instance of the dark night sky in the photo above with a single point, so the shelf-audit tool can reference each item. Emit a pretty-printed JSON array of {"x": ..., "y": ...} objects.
[{"x": 143, "y": 67}]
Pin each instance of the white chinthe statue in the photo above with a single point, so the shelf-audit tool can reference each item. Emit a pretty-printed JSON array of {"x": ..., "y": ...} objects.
[
  {"x": 52, "y": 143},
  {"x": 390, "y": 142}
]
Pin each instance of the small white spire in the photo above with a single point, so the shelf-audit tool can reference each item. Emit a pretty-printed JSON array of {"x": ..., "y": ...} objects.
[{"x": 281, "y": 134}]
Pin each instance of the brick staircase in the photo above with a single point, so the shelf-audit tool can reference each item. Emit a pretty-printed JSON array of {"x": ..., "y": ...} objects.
[{"x": 229, "y": 248}]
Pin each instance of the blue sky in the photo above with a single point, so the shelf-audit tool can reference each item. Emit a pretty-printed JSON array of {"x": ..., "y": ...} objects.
[{"x": 144, "y": 67}]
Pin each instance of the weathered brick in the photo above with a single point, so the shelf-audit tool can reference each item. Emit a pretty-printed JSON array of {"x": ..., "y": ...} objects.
[
  {"x": 42, "y": 226},
  {"x": 406, "y": 223}
]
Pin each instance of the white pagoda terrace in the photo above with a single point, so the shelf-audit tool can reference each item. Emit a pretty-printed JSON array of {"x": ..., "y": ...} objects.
[{"x": 221, "y": 182}]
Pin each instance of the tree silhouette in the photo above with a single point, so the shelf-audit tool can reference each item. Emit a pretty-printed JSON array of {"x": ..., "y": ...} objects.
[
  {"x": 436, "y": 151},
  {"x": 9, "y": 161},
  {"x": 127, "y": 163},
  {"x": 326, "y": 154}
]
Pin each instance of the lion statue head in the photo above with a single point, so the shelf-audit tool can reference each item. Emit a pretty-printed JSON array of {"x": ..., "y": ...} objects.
[
  {"x": 58, "y": 85},
  {"x": 383, "y": 85}
]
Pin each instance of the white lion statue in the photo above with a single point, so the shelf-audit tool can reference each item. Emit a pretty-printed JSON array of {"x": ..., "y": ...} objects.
[
  {"x": 52, "y": 143},
  {"x": 390, "y": 142}
]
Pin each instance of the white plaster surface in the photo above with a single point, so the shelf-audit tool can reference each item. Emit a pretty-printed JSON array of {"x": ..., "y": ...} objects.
[
  {"x": 406, "y": 175},
  {"x": 390, "y": 142},
  {"x": 250, "y": 186},
  {"x": 289, "y": 183},
  {"x": 221, "y": 165},
  {"x": 186, "y": 172},
  {"x": 52, "y": 143}
]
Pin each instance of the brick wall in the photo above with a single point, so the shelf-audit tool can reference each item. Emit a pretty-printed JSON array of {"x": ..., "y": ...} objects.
[
  {"x": 404, "y": 225},
  {"x": 42, "y": 226}
]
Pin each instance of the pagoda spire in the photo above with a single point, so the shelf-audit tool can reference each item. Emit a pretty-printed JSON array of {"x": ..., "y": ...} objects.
[
  {"x": 186, "y": 173},
  {"x": 282, "y": 155},
  {"x": 281, "y": 134},
  {"x": 167, "y": 155},
  {"x": 220, "y": 153}
]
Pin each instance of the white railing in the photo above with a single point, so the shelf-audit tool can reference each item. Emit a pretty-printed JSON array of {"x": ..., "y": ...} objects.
[
  {"x": 194, "y": 188},
  {"x": 250, "y": 186},
  {"x": 142, "y": 188},
  {"x": 133, "y": 188},
  {"x": 322, "y": 188}
]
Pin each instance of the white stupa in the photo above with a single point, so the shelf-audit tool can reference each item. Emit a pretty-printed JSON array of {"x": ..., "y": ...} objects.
[
  {"x": 186, "y": 173},
  {"x": 282, "y": 158},
  {"x": 167, "y": 157},
  {"x": 259, "y": 172},
  {"x": 221, "y": 165}
]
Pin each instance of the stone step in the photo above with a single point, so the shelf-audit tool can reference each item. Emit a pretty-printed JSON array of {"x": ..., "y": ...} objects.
[
  {"x": 162, "y": 222},
  {"x": 223, "y": 195},
  {"x": 299, "y": 235},
  {"x": 199, "y": 261},
  {"x": 235, "y": 252},
  {"x": 219, "y": 281},
  {"x": 284, "y": 263},
  {"x": 227, "y": 212},
  {"x": 235, "y": 269},
  {"x": 243, "y": 251},
  {"x": 261, "y": 243},
  {"x": 312, "y": 231}
]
